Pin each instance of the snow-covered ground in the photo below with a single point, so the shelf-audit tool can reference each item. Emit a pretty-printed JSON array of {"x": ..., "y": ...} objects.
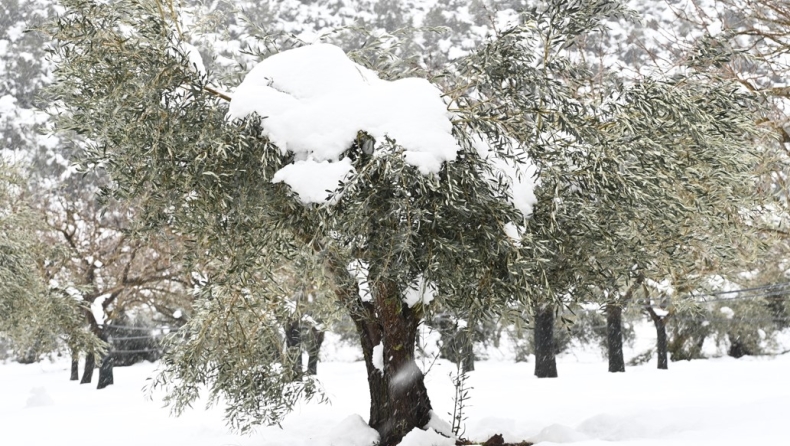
[{"x": 708, "y": 402}]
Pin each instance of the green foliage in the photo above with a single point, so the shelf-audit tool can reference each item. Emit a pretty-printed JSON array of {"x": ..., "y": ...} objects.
[
  {"x": 646, "y": 172},
  {"x": 636, "y": 175},
  {"x": 34, "y": 314},
  {"x": 233, "y": 344}
]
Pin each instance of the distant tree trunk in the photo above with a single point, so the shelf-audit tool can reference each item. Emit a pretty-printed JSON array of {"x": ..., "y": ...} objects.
[
  {"x": 614, "y": 337},
  {"x": 75, "y": 365},
  {"x": 31, "y": 355},
  {"x": 293, "y": 341},
  {"x": 467, "y": 349},
  {"x": 105, "y": 371},
  {"x": 313, "y": 349},
  {"x": 737, "y": 348},
  {"x": 90, "y": 364},
  {"x": 545, "y": 362},
  {"x": 661, "y": 332},
  {"x": 398, "y": 397},
  {"x": 90, "y": 358}
]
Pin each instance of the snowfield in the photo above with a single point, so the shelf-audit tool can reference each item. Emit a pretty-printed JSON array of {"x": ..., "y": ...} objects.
[{"x": 718, "y": 402}]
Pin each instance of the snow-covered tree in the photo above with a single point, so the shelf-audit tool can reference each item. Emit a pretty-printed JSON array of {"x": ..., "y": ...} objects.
[{"x": 499, "y": 186}]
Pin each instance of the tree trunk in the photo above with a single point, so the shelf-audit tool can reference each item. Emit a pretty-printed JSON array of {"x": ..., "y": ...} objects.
[
  {"x": 293, "y": 340},
  {"x": 614, "y": 337},
  {"x": 468, "y": 356},
  {"x": 398, "y": 398},
  {"x": 90, "y": 364},
  {"x": 661, "y": 332},
  {"x": 75, "y": 366},
  {"x": 545, "y": 362},
  {"x": 105, "y": 371},
  {"x": 313, "y": 349},
  {"x": 737, "y": 348}
]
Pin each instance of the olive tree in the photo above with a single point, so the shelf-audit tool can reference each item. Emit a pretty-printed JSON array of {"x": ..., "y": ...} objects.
[
  {"x": 499, "y": 202},
  {"x": 160, "y": 130}
]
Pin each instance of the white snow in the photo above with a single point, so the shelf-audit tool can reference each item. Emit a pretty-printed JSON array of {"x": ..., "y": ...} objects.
[
  {"x": 315, "y": 101},
  {"x": 715, "y": 402},
  {"x": 521, "y": 178},
  {"x": 323, "y": 178},
  {"x": 439, "y": 425},
  {"x": 359, "y": 270},
  {"x": 558, "y": 433},
  {"x": 97, "y": 309},
  {"x": 194, "y": 58},
  {"x": 660, "y": 312},
  {"x": 378, "y": 357},
  {"x": 428, "y": 437},
  {"x": 353, "y": 431},
  {"x": 39, "y": 397},
  {"x": 419, "y": 292}
]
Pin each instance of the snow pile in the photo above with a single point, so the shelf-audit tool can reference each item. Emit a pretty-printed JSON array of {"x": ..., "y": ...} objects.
[
  {"x": 721, "y": 402},
  {"x": 558, "y": 433},
  {"x": 439, "y": 425},
  {"x": 39, "y": 397},
  {"x": 428, "y": 437},
  {"x": 420, "y": 291},
  {"x": 359, "y": 270},
  {"x": 378, "y": 357},
  {"x": 727, "y": 312},
  {"x": 521, "y": 178},
  {"x": 353, "y": 431},
  {"x": 194, "y": 58},
  {"x": 315, "y": 101}
]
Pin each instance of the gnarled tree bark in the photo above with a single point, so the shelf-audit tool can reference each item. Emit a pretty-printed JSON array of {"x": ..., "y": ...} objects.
[
  {"x": 398, "y": 398},
  {"x": 545, "y": 361}
]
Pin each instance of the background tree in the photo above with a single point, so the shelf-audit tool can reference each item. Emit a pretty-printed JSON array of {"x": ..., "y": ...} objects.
[
  {"x": 36, "y": 313},
  {"x": 115, "y": 269}
]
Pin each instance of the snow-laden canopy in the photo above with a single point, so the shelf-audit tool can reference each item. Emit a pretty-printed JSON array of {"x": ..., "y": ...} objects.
[{"x": 315, "y": 101}]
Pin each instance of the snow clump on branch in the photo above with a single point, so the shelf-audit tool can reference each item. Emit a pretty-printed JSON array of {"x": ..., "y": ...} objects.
[{"x": 314, "y": 101}]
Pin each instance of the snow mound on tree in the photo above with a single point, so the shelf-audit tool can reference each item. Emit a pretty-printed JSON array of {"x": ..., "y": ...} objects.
[
  {"x": 419, "y": 292},
  {"x": 521, "y": 178},
  {"x": 314, "y": 101}
]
